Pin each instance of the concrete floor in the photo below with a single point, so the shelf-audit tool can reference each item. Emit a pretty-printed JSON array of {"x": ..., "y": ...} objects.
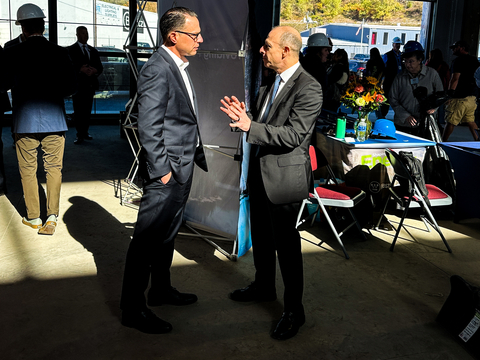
[{"x": 59, "y": 295}]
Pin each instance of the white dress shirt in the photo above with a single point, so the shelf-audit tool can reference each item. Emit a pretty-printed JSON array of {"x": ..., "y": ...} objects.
[
  {"x": 285, "y": 76},
  {"x": 182, "y": 66}
]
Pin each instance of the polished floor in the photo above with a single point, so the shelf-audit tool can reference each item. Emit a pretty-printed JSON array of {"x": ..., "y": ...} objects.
[{"x": 59, "y": 295}]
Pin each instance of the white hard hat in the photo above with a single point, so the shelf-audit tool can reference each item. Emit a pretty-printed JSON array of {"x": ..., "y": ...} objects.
[
  {"x": 318, "y": 40},
  {"x": 29, "y": 11}
]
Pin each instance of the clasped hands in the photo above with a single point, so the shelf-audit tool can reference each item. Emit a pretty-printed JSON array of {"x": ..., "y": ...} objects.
[
  {"x": 88, "y": 70},
  {"x": 236, "y": 110}
]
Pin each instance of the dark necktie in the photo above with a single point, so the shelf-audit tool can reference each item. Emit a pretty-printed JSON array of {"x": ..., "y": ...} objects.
[
  {"x": 85, "y": 53},
  {"x": 275, "y": 86}
]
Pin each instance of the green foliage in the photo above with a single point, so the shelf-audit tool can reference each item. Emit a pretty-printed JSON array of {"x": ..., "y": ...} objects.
[
  {"x": 324, "y": 11},
  {"x": 373, "y": 9}
]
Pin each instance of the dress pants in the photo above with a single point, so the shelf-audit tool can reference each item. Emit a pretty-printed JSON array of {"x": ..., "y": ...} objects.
[
  {"x": 82, "y": 108},
  {"x": 150, "y": 253},
  {"x": 53, "y": 145},
  {"x": 3, "y": 184},
  {"x": 273, "y": 230}
]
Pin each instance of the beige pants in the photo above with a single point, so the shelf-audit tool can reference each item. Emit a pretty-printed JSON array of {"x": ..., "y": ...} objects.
[{"x": 53, "y": 145}]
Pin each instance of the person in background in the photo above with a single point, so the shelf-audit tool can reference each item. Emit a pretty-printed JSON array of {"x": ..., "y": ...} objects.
[
  {"x": 461, "y": 108},
  {"x": 38, "y": 112},
  {"x": 393, "y": 67},
  {"x": 4, "y": 107},
  {"x": 337, "y": 78},
  {"x": 376, "y": 68},
  {"x": 316, "y": 57},
  {"x": 406, "y": 106},
  {"x": 279, "y": 129},
  {"x": 89, "y": 67},
  {"x": 435, "y": 61}
]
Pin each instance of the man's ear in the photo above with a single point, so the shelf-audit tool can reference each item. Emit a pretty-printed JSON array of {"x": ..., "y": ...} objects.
[
  {"x": 286, "y": 51},
  {"x": 172, "y": 37}
]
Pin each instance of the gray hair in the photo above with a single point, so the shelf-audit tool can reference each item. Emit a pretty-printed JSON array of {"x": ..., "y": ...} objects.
[{"x": 291, "y": 38}]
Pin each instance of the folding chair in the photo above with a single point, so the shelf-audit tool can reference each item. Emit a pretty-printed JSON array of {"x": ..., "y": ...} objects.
[
  {"x": 331, "y": 195},
  {"x": 413, "y": 198}
]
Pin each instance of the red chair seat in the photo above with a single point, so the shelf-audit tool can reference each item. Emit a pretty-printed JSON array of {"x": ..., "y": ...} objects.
[{"x": 336, "y": 192}]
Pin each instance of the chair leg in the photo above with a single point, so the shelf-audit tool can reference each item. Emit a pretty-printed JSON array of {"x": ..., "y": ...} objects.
[
  {"x": 382, "y": 214},
  {"x": 334, "y": 230},
  {"x": 358, "y": 225},
  {"x": 436, "y": 227},
  {"x": 399, "y": 226},
  {"x": 300, "y": 213}
]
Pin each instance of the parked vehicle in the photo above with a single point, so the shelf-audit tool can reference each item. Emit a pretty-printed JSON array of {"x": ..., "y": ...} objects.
[{"x": 362, "y": 57}]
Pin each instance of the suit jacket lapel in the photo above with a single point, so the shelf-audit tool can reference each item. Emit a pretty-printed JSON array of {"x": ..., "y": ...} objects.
[
  {"x": 285, "y": 90},
  {"x": 178, "y": 77}
]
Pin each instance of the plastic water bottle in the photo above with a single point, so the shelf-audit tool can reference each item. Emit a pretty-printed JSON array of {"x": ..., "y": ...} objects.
[{"x": 362, "y": 130}]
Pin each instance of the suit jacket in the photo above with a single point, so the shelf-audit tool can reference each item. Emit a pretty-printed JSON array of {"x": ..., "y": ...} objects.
[
  {"x": 4, "y": 100},
  {"x": 13, "y": 42},
  {"x": 40, "y": 75},
  {"x": 76, "y": 54},
  {"x": 285, "y": 137},
  {"x": 167, "y": 123}
]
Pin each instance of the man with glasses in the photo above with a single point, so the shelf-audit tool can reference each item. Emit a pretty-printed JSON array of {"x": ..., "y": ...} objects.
[
  {"x": 461, "y": 109},
  {"x": 171, "y": 143}
]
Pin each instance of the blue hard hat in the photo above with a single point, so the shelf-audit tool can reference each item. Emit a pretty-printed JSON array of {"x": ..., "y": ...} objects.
[
  {"x": 397, "y": 40},
  {"x": 412, "y": 46},
  {"x": 384, "y": 127}
]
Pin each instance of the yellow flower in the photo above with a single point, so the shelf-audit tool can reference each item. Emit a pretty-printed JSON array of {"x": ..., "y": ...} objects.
[
  {"x": 360, "y": 102},
  {"x": 372, "y": 80}
]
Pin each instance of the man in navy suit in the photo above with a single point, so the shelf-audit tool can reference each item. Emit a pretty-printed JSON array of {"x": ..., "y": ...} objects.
[
  {"x": 89, "y": 67},
  {"x": 279, "y": 128},
  {"x": 171, "y": 144}
]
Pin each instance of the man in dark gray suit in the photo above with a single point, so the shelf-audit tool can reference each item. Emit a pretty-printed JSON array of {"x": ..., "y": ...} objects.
[
  {"x": 280, "y": 175},
  {"x": 89, "y": 67},
  {"x": 170, "y": 139}
]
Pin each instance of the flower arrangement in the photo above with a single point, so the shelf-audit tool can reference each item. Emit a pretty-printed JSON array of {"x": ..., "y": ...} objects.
[{"x": 363, "y": 95}]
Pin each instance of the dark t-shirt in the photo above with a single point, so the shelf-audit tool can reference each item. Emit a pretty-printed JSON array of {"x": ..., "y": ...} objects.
[{"x": 466, "y": 65}]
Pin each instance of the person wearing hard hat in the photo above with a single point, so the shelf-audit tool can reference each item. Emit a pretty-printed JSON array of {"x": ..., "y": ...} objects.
[
  {"x": 406, "y": 106},
  {"x": 393, "y": 66},
  {"x": 316, "y": 57},
  {"x": 40, "y": 74},
  {"x": 461, "y": 108}
]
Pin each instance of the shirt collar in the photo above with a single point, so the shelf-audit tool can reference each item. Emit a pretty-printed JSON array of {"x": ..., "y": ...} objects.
[
  {"x": 179, "y": 62},
  {"x": 81, "y": 45},
  {"x": 287, "y": 74}
]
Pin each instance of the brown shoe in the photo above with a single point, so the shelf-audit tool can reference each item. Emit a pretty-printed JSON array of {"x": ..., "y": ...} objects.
[{"x": 49, "y": 227}]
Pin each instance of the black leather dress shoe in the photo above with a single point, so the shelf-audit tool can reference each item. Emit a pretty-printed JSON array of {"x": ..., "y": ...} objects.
[
  {"x": 78, "y": 141},
  {"x": 170, "y": 296},
  {"x": 253, "y": 293},
  {"x": 145, "y": 321},
  {"x": 288, "y": 325},
  {"x": 88, "y": 137}
]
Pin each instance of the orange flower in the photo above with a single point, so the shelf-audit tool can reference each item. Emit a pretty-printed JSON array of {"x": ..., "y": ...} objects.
[{"x": 368, "y": 98}]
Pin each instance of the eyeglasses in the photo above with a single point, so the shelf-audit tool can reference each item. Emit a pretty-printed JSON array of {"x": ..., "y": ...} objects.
[{"x": 192, "y": 36}]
